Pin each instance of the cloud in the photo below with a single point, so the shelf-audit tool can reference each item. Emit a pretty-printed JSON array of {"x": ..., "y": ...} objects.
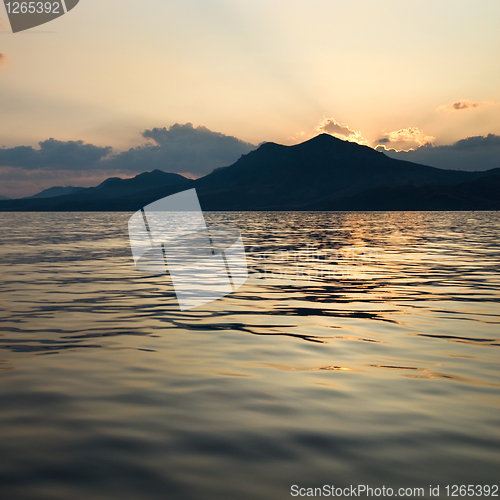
[
  {"x": 404, "y": 139},
  {"x": 330, "y": 126},
  {"x": 477, "y": 141},
  {"x": 464, "y": 104},
  {"x": 180, "y": 148},
  {"x": 471, "y": 153},
  {"x": 54, "y": 155},
  {"x": 183, "y": 149},
  {"x": 341, "y": 131}
]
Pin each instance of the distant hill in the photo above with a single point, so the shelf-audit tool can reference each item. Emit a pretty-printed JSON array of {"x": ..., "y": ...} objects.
[
  {"x": 100, "y": 197},
  {"x": 116, "y": 187},
  {"x": 55, "y": 191},
  {"x": 323, "y": 173},
  {"x": 4, "y": 197}
]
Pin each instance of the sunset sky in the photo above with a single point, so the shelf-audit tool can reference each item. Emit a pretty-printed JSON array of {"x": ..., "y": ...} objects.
[{"x": 122, "y": 74}]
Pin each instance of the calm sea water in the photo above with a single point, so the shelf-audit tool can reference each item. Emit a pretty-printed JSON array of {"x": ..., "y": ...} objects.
[{"x": 363, "y": 349}]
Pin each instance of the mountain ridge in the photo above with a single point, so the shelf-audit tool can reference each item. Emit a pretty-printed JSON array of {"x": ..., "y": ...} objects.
[
  {"x": 113, "y": 187},
  {"x": 323, "y": 173},
  {"x": 54, "y": 191}
]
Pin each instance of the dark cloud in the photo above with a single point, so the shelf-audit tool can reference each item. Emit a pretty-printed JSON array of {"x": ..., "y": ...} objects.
[
  {"x": 478, "y": 141},
  {"x": 461, "y": 105},
  {"x": 472, "y": 153},
  {"x": 180, "y": 148},
  {"x": 54, "y": 155},
  {"x": 183, "y": 149},
  {"x": 465, "y": 105}
]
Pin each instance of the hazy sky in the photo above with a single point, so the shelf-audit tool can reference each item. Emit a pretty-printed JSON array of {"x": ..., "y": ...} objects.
[{"x": 398, "y": 73}]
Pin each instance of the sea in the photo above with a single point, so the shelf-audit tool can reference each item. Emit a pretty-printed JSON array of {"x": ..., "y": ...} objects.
[{"x": 362, "y": 352}]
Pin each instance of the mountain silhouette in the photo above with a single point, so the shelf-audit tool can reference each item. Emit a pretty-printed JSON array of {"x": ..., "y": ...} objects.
[
  {"x": 324, "y": 173},
  {"x": 315, "y": 175},
  {"x": 55, "y": 191},
  {"x": 115, "y": 187},
  {"x": 97, "y": 198}
]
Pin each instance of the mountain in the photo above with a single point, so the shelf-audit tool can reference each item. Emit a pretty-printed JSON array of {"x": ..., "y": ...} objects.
[
  {"x": 323, "y": 173},
  {"x": 55, "y": 191},
  {"x": 4, "y": 197},
  {"x": 116, "y": 187},
  {"x": 479, "y": 194},
  {"x": 100, "y": 197},
  {"x": 315, "y": 175}
]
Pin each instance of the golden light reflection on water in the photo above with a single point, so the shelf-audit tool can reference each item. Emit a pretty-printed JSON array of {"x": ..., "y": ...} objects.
[{"x": 354, "y": 375}]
